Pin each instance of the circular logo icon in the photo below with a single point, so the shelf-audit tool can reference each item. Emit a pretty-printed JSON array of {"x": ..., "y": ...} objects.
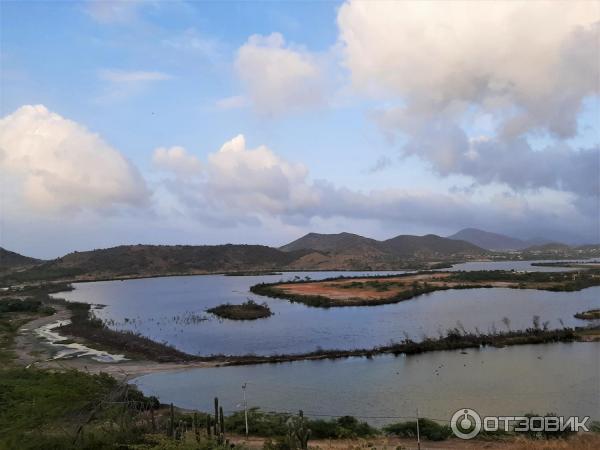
[{"x": 465, "y": 423}]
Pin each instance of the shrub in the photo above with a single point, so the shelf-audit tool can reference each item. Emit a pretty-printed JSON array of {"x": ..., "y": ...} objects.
[{"x": 427, "y": 428}]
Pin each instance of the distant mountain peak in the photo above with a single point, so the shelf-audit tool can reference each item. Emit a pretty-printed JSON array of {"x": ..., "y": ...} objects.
[
  {"x": 489, "y": 240},
  {"x": 403, "y": 246}
]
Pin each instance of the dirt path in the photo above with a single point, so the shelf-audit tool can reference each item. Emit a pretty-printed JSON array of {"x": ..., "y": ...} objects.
[{"x": 31, "y": 349}]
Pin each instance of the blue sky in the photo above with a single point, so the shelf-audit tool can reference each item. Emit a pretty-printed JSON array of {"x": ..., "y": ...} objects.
[{"x": 367, "y": 124}]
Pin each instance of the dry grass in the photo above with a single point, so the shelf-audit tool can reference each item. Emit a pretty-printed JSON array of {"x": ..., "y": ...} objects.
[{"x": 590, "y": 441}]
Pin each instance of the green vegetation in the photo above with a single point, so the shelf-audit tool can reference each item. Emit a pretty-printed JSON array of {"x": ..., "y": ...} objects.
[
  {"x": 268, "y": 290},
  {"x": 14, "y": 313},
  {"x": 46, "y": 410},
  {"x": 26, "y": 305},
  {"x": 455, "y": 339},
  {"x": 592, "y": 314},
  {"x": 427, "y": 428},
  {"x": 557, "y": 281},
  {"x": 249, "y": 310},
  {"x": 272, "y": 425},
  {"x": 64, "y": 410},
  {"x": 42, "y": 409}
]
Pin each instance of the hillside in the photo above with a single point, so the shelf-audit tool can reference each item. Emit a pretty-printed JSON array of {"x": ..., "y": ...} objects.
[
  {"x": 351, "y": 251},
  {"x": 490, "y": 241},
  {"x": 430, "y": 246},
  {"x": 340, "y": 242},
  {"x": 11, "y": 260},
  {"x": 343, "y": 251},
  {"x": 147, "y": 260}
]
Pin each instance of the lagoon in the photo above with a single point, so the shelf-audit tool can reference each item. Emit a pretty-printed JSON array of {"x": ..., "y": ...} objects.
[
  {"x": 173, "y": 310},
  {"x": 562, "y": 378}
]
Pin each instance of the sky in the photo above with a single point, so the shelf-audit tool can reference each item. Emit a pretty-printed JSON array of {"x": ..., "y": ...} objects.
[{"x": 196, "y": 122}]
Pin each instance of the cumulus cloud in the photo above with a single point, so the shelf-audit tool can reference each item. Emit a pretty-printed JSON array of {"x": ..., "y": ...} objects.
[
  {"x": 540, "y": 59},
  {"x": 254, "y": 186},
  {"x": 453, "y": 68},
  {"x": 242, "y": 181},
  {"x": 61, "y": 166},
  {"x": 510, "y": 161},
  {"x": 279, "y": 78},
  {"x": 176, "y": 159}
]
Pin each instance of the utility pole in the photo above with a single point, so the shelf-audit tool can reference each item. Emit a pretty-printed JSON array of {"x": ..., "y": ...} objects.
[
  {"x": 245, "y": 408},
  {"x": 418, "y": 435}
]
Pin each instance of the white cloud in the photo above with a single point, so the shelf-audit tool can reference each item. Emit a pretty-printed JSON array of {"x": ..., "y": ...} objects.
[
  {"x": 454, "y": 70},
  {"x": 177, "y": 160},
  {"x": 537, "y": 60},
  {"x": 257, "y": 186},
  {"x": 256, "y": 179},
  {"x": 279, "y": 78},
  {"x": 60, "y": 165},
  {"x": 240, "y": 181}
]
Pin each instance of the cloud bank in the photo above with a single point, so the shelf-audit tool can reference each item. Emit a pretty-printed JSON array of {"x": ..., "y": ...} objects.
[
  {"x": 525, "y": 68},
  {"x": 240, "y": 185},
  {"x": 533, "y": 61}
]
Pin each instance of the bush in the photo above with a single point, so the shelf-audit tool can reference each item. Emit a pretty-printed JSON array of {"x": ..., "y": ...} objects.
[{"x": 427, "y": 429}]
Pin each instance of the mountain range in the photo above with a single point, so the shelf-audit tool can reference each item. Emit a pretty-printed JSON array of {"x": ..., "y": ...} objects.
[
  {"x": 343, "y": 251},
  {"x": 314, "y": 251},
  {"x": 495, "y": 241}
]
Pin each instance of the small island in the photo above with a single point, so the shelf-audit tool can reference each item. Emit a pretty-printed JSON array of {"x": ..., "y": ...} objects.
[
  {"x": 246, "y": 311},
  {"x": 592, "y": 314}
]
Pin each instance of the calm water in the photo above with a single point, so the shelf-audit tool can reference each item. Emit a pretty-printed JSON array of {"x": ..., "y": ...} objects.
[
  {"x": 172, "y": 310},
  {"x": 560, "y": 378}
]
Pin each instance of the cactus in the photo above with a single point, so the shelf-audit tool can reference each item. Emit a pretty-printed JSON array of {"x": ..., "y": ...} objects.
[
  {"x": 298, "y": 432},
  {"x": 208, "y": 426},
  {"x": 215, "y": 430},
  {"x": 221, "y": 420}
]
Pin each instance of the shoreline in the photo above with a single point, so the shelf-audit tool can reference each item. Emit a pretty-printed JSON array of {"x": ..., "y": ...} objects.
[
  {"x": 147, "y": 356},
  {"x": 343, "y": 292},
  {"x": 134, "y": 367},
  {"x": 444, "y": 265}
]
